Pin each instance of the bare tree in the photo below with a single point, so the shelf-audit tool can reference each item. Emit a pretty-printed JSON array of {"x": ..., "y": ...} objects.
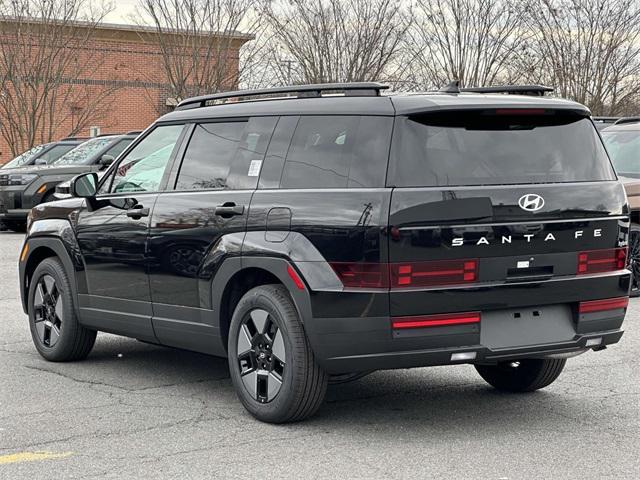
[
  {"x": 43, "y": 60},
  {"x": 471, "y": 41},
  {"x": 319, "y": 41},
  {"x": 200, "y": 41},
  {"x": 588, "y": 49}
]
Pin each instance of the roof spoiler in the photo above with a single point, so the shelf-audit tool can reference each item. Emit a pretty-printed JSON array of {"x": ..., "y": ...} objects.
[{"x": 532, "y": 90}]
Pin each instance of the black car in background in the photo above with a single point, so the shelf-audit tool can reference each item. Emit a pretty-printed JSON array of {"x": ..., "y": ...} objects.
[
  {"x": 623, "y": 144},
  {"x": 335, "y": 231},
  {"x": 25, "y": 187},
  {"x": 44, "y": 154}
]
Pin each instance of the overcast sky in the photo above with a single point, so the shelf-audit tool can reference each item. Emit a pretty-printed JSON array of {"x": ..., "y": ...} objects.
[{"x": 121, "y": 12}]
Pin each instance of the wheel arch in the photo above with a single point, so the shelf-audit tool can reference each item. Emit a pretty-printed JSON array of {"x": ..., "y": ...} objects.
[
  {"x": 240, "y": 275},
  {"x": 50, "y": 238}
]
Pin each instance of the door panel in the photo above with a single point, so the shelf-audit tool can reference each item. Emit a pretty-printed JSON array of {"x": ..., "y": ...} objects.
[
  {"x": 113, "y": 245},
  {"x": 214, "y": 184},
  {"x": 184, "y": 232}
]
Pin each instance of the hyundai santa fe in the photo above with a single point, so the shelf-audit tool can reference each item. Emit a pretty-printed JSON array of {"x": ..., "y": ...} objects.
[{"x": 312, "y": 234}]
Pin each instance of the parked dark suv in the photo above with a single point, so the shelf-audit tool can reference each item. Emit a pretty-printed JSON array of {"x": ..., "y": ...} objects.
[
  {"x": 45, "y": 153},
  {"x": 622, "y": 141},
  {"x": 318, "y": 237},
  {"x": 23, "y": 188}
]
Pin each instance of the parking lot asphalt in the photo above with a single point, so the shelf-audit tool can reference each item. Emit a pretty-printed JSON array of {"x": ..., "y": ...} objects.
[{"x": 133, "y": 410}]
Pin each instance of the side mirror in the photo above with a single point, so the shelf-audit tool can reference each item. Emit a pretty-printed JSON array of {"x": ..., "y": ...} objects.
[
  {"x": 40, "y": 161},
  {"x": 106, "y": 160},
  {"x": 84, "y": 186}
]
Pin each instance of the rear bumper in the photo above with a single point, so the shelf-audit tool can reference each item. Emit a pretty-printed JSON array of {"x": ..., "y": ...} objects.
[{"x": 443, "y": 356}]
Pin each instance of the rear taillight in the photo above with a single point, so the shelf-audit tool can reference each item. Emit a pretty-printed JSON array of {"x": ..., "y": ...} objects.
[
  {"x": 440, "y": 320},
  {"x": 603, "y": 305},
  {"x": 435, "y": 273},
  {"x": 406, "y": 274},
  {"x": 362, "y": 275},
  {"x": 598, "y": 261}
]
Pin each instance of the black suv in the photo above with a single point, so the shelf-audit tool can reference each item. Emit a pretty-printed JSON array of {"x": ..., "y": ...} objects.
[
  {"x": 338, "y": 231},
  {"x": 45, "y": 153},
  {"x": 25, "y": 187}
]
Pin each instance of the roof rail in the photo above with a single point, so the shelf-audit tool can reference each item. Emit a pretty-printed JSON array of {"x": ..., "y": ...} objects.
[
  {"x": 627, "y": 120},
  {"x": 134, "y": 132},
  {"x": 533, "y": 90},
  {"x": 355, "y": 89},
  {"x": 73, "y": 138}
]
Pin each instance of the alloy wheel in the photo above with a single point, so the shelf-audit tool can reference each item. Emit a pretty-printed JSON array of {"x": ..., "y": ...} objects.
[
  {"x": 48, "y": 311},
  {"x": 261, "y": 355}
]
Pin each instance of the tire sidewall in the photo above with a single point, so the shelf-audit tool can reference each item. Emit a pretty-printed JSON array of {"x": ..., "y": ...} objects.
[
  {"x": 53, "y": 268},
  {"x": 284, "y": 402}
]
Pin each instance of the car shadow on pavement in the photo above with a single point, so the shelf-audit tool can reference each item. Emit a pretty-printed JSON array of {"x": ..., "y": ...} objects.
[{"x": 427, "y": 400}]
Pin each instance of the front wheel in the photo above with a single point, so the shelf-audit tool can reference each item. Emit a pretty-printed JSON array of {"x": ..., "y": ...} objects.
[
  {"x": 55, "y": 330},
  {"x": 271, "y": 363},
  {"x": 524, "y": 375},
  {"x": 634, "y": 259}
]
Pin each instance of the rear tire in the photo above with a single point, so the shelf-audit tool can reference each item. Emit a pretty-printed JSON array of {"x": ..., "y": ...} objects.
[
  {"x": 55, "y": 330},
  {"x": 634, "y": 259},
  {"x": 524, "y": 375},
  {"x": 271, "y": 363}
]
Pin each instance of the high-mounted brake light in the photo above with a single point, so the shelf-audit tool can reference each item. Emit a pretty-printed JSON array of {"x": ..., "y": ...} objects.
[
  {"x": 599, "y": 261},
  {"x": 521, "y": 111},
  {"x": 433, "y": 273},
  {"x": 440, "y": 320},
  {"x": 603, "y": 305}
]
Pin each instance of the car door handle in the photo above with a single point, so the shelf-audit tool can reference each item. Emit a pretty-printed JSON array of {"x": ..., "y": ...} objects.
[
  {"x": 137, "y": 211},
  {"x": 229, "y": 210}
]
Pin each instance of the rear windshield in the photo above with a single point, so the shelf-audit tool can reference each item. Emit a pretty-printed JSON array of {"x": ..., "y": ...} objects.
[
  {"x": 624, "y": 148},
  {"x": 496, "y": 148}
]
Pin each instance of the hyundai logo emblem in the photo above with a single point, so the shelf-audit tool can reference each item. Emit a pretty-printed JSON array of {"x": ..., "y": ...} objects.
[{"x": 531, "y": 202}]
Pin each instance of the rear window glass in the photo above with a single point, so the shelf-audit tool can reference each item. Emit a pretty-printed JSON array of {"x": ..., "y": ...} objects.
[
  {"x": 624, "y": 147},
  {"x": 478, "y": 148}
]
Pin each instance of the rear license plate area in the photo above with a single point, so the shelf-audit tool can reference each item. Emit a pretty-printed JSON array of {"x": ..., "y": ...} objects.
[{"x": 520, "y": 327}]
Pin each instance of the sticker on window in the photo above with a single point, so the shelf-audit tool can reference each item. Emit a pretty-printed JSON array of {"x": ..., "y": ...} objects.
[{"x": 254, "y": 168}]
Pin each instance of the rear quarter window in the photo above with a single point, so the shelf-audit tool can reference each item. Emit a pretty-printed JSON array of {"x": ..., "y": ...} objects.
[
  {"x": 338, "y": 152},
  {"x": 477, "y": 148}
]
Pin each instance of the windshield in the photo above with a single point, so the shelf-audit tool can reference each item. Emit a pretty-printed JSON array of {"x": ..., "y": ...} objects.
[
  {"x": 25, "y": 158},
  {"x": 624, "y": 149},
  {"x": 85, "y": 152},
  {"x": 496, "y": 148}
]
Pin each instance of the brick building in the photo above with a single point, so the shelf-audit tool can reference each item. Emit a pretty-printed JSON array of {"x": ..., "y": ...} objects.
[{"x": 130, "y": 63}]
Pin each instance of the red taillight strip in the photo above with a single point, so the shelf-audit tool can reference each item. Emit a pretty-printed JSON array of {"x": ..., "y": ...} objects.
[
  {"x": 406, "y": 274},
  {"x": 423, "y": 321},
  {"x": 600, "y": 261},
  {"x": 603, "y": 305}
]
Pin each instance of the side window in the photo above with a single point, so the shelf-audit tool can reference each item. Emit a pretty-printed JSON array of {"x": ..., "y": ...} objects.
[
  {"x": 338, "y": 152},
  {"x": 55, "y": 152},
  {"x": 119, "y": 147},
  {"x": 225, "y": 155},
  {"x": 143, "y": 167}
]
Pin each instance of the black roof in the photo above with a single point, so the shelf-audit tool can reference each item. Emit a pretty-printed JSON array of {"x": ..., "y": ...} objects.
[{"x": 372, "y": 103}]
